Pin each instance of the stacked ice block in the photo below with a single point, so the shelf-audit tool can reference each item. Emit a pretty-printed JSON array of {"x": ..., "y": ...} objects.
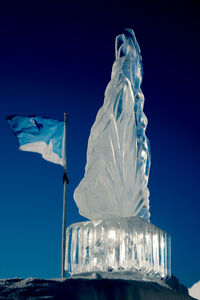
[{"x": 116, "y": 245}]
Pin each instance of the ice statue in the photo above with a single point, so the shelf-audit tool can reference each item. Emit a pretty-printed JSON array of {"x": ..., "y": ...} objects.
[
  {"x": 118, "y": 155},
  {"x": 113, "y": 193}
]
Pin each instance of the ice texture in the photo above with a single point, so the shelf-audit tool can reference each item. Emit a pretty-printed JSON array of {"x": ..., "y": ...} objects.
[
  {"x": 118, "y": 245},
  {"x": 118, "y": 154}
]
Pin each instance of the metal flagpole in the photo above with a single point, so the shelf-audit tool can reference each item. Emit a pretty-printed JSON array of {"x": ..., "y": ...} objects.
[{"x": 65, "y": 182}]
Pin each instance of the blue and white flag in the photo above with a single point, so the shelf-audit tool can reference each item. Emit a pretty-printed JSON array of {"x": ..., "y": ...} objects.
[{"x": 41, "y": 135}]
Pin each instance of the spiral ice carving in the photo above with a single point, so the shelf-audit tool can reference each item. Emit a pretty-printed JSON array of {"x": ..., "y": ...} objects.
[{"x": 118, "y": 154}]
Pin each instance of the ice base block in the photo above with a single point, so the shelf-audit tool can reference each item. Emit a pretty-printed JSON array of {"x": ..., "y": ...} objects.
[{"x": 118, "y": 245}]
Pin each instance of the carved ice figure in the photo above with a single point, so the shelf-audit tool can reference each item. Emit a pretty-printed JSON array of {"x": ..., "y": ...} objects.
[{"x": 118, "y": 154}]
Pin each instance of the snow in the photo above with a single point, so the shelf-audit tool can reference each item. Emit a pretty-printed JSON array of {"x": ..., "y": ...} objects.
[
  {"x": 89, "y": 289},
  {"x": 194, "y": 291}
]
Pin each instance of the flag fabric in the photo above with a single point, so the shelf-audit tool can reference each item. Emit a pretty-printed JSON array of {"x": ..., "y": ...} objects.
[{"x": 41, "y": 135}]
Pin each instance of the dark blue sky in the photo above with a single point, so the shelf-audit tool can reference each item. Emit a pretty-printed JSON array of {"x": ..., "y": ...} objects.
[{"x": 57, "y": 57}]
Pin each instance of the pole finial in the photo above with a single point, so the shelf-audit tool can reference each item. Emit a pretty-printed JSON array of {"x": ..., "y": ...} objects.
[{"x": 65, "y": 117}]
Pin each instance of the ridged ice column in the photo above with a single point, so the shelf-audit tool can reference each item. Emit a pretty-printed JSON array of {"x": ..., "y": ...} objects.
[{"x": 117, "y": 245}]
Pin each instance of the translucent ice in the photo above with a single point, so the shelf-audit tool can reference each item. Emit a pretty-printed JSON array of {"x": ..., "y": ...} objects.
[
  {"x": 118, "y": 245},
  {"x": 118, "y": 154}
]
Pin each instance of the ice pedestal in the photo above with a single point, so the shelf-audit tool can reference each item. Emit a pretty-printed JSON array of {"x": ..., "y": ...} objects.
[{"x": 118, "y": 245}]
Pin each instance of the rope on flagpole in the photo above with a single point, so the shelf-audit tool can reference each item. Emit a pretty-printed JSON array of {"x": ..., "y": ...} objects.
[{"x": 65, "y": 182}]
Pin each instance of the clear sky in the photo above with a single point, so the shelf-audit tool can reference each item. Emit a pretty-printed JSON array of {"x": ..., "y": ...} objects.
[{"x": 57, "y": 57}]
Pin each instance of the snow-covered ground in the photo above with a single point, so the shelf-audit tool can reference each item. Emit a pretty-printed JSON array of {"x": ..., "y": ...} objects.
[
  {"x": 91, "y": 289},
  {"x": 194, "y": 291}
]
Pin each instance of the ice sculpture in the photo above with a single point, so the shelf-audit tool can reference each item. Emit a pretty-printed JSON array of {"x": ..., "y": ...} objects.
[
  {"x": 113, "y": 192},
  {"x": 118, "y": 155}
]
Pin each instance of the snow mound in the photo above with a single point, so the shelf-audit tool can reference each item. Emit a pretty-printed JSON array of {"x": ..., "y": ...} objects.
[
  {"x": 194, "y": 291},
  {"x": 90, "y": 289}
]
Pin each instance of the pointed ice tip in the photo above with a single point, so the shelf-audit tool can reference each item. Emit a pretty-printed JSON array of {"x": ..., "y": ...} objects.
[
  {"x": 126, "y": 44},
  {"x": 128, "y": 31}
]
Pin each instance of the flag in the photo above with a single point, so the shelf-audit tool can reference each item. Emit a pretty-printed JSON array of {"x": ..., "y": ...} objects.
[{"x": 41, "y": 135}]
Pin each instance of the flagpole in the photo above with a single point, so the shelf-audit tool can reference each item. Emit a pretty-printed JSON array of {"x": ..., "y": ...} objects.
[{"x": 65, "y": 182}]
